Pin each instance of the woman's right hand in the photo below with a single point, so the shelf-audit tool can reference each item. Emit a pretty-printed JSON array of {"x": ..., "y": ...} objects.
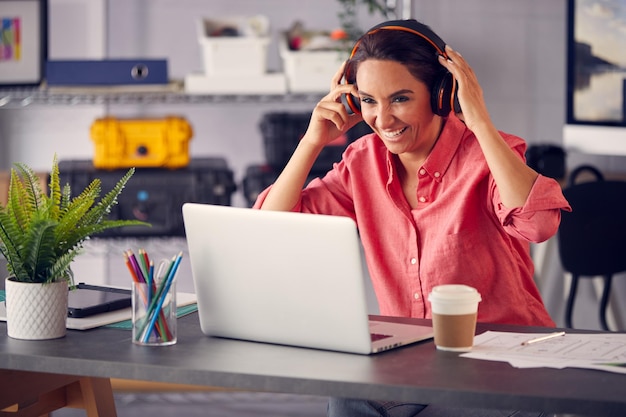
[{"x": 330, "y": 118}]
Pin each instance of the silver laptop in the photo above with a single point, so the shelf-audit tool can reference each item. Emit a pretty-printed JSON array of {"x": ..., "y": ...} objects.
[{"x": 285, "y": 278}]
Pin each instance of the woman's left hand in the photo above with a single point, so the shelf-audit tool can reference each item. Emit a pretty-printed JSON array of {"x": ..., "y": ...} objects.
[{"x": 470, "y": 93}]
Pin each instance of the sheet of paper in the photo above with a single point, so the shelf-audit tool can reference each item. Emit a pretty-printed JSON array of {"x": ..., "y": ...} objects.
[{"x": 601, "y": 351}]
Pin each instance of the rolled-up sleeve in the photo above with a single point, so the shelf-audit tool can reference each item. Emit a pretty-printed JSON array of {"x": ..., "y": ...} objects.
[{"x": 539, "y": 218}]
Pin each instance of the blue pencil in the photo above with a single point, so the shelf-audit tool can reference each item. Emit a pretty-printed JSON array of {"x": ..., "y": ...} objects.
[{"x": 150, "y": 282}]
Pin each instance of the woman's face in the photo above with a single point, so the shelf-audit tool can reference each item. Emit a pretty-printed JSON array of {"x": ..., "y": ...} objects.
[{"x": 397, "y": 107}]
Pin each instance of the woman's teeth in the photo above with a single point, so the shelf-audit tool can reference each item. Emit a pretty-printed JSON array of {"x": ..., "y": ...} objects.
[{"x": 393, "y": 134}]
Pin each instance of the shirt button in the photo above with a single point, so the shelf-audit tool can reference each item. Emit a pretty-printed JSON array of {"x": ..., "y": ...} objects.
[
  {"x": 413, "y": 261},
  {"x": 437, "y": 174},
  {"x": 422, "y": 171},
  {"x": 422, "y": 199},
  {"x": 416, "y": 296}
]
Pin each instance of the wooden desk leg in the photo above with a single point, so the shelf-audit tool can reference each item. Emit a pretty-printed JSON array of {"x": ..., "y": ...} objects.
[
  {"x": 35, "y": 394},
  {"x": 95, "y": 395}
]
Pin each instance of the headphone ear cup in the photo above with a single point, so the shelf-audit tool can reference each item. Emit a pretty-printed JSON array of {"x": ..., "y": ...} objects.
[
  {"x": 354, "y": 104},
  {"x": 351, "y": 102},
  {"x": 441, "y": 97},
  {"x": 455, "y": 100}
]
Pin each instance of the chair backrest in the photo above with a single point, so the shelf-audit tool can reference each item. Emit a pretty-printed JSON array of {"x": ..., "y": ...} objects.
[{"x": 592, "y": 237}]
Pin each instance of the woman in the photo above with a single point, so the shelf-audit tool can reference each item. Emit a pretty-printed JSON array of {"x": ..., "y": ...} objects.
[{"x": 438, "y": 197}]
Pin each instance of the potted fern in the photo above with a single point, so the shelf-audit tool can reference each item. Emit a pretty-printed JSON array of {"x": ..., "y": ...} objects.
[{"x": 40, "y": 235}]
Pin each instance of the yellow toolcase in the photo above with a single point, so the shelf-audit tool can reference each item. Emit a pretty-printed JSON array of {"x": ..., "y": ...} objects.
[{"x": 125, "y": 143}]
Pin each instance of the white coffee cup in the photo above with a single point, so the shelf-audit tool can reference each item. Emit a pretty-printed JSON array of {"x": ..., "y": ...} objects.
[{"x": 454, "y": 308}]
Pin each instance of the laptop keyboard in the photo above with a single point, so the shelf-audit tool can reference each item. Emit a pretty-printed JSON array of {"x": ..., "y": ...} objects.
[{"x": 378, "y": 336}]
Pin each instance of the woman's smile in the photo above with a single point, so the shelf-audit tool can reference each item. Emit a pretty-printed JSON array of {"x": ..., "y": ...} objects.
[{"x": 392, "y": 134}]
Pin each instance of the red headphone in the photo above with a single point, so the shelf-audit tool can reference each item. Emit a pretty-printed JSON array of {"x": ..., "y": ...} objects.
[{"x": 443, "y": 96}]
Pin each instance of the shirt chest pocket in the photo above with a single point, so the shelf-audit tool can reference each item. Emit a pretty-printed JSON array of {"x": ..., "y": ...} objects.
[{"x": 460, "y": 258}]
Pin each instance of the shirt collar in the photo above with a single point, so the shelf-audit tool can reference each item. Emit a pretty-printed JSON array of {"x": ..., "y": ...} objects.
[
  {"x": 445, "y": 148},
  {"x": 442, "y": 153}
]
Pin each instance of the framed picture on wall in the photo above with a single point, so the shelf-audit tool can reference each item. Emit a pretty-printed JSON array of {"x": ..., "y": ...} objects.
[
  {"x": 596, "y": 88},
  {"x": 23, "y": 42}
]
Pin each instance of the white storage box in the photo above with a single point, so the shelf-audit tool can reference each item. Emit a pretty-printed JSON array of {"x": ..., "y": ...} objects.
[
  {"x": 310, "y": 71},
  {"x": 271, "y": 83},
  {"x": 234, "y": 55}
]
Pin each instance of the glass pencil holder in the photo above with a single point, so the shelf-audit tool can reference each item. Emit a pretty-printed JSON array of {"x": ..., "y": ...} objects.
[{"x": 154, "y": 313}]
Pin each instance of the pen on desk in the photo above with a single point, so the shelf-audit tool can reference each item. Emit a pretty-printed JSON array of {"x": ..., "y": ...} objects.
[{"x": 542, "y": 338}]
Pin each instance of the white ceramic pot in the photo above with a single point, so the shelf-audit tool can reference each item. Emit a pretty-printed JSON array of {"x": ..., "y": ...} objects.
[{"x": 36, "y": 311}]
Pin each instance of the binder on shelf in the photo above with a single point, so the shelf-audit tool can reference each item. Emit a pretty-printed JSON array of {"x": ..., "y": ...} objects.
[{"x": 106, "y": 72}]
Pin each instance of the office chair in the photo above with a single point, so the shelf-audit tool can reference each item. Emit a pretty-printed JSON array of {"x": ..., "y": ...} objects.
[{"x": 592, "y": 238}]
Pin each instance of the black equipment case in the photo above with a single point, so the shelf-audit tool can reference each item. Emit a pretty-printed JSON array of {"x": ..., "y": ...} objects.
[
  {"x": 282, "y": 131},
  {"x": 155, "y": 195}
]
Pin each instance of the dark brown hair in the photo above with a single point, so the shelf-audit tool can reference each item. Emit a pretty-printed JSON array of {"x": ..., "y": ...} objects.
[{"x": 409, "y": 49}]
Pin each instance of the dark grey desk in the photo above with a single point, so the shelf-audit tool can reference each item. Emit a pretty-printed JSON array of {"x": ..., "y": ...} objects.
[{"x": 417, "y": 373}]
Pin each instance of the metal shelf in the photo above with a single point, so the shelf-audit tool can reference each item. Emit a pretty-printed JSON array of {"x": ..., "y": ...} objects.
[{"x": 25, "y": 97}]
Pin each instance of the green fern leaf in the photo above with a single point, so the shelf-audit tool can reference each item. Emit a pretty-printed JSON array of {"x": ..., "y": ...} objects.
[
  {"x": 66, "y": 197},
  {"x": 12, "y": 240},
  {"x": 32, "y": 187},
  {"x": 54, "y": 200},
  {"x": 39, "y": 250},
  {"x": 103, "y": 208},
  {"x": 67, "y": 234},
  {"x": 61, "y": 266},
  {"x": 19, "y": 206}
]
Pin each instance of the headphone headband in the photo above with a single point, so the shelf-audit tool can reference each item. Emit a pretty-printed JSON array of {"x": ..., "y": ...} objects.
[{"x": 411, "y": 26}]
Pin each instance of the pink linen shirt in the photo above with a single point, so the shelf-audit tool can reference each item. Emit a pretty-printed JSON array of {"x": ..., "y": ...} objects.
[{"x": 460, "y": 232}]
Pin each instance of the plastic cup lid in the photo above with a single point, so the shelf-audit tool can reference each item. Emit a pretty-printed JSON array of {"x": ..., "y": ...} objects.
[{"x": 454, "y": 293}]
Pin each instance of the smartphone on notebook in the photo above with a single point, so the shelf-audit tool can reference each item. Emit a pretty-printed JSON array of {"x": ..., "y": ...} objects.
[{"x": 86, "y": 300}]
